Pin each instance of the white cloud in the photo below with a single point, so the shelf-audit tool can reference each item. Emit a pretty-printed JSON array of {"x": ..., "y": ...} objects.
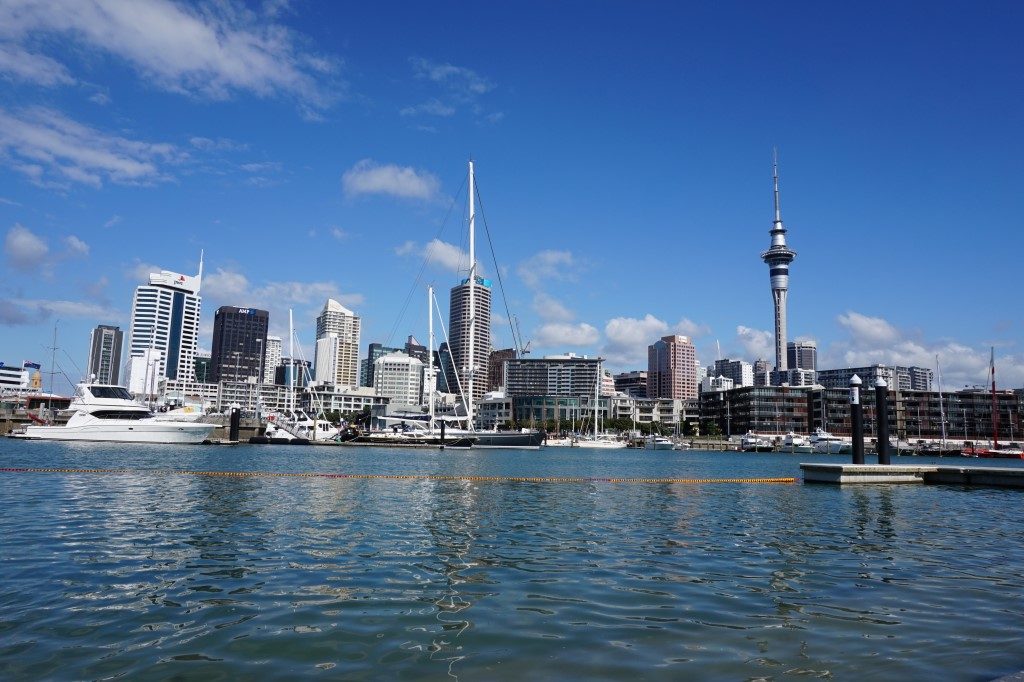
[
  {"x": 459, "y": 80},
  {"x": 432, "y": 107},
  {"x": 566, "y": 335},
  {"x": 220, "y": 144},
  {"x": 113, "y": 221},
  {"x": 24, "y": 250},
  {"x": 139, "y": 271},
  {"x": 688, "y": 327},
  {"x": 100, "y": 98},
  {"x": 546, "y": 266},
  {"x": 873, "y": 340},
  {"x": 436, "y": 252},
  {"x": 262, "y": 167},
  {"x": 75, "y": 246},
  {"x": 868, "y": 331},
  {"x": 225, "y": 285},
  {"x": 627, "y": 338},
  {"x": 229, "y": 286},
  {"x": 53, "y": 149},
  {"x": 757, "y": 343},
  {"x": 339, "y": 233},
  {"x": 42, "y": 309},
  {"x": 370, "y": 177},
  {"x": 448, "y": 256},
  {"x": 550, "y": 309},
  {"x": 213, "y": 50},
  {"x": 19, "y": 64}
]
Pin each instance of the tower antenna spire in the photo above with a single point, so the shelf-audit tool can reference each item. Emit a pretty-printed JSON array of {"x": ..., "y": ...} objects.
[{"x": 775, "y": 180}]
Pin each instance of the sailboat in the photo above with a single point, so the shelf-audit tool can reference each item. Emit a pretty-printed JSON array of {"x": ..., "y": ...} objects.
[
  {"x": 1010, "y": 451},
  {"x": 600, "y": 440},
  {"x": 523, "y": 438}
]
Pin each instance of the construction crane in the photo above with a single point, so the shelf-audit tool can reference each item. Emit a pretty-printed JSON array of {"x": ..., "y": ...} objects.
[{"x": 522, "y": 350}]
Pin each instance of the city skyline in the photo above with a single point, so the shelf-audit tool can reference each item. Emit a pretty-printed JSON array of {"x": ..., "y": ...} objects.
[{"x": 327, "y": 166}]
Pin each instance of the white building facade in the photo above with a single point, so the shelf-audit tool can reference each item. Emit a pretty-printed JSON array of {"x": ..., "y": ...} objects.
[
  {"x": 342, "y": 359},
  {"x": 399, "y": 377},
  {"x": 164, "y": 330}
]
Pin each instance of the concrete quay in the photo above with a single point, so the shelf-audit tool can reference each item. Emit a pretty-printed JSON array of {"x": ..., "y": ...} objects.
[{"x": 845, "y": 474}]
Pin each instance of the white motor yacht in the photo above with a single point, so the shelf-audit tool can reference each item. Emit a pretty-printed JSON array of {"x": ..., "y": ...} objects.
[
  {"x": 794, "y": 443},
  {"x": 653, "y": 442},
  {"x": 825, "y": 443},
  {"x": 103, "y": 412},
  {"x": 751, "y": 442}
]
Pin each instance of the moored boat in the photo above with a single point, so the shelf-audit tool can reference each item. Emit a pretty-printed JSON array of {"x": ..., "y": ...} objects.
[
  {"x": 102, "y": 412},
  {"x": 825, "y": 443},
  {"x": 795, "y": 443},
  {"x": 751, "y": 442},
  {"x": 653, "y": 442}
]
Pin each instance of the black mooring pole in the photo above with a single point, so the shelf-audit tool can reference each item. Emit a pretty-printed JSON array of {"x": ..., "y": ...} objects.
[
  {"x": 236, "y": 421},
  {"x": 442, "y": 434},
  {"x": 882, "y": 417},
  {"x": 857, "y": 419}
]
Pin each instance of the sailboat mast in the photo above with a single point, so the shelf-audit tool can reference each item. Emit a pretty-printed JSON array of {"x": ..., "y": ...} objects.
[
  {"x": 597, "y": 395},
  {"x": 942, "y": 413},
  {"x": 291, "y": 359},
  {"x": 429, "y": 374},
  {"x": 995, "y": 412},
  {"x": 470, "y": 349}
]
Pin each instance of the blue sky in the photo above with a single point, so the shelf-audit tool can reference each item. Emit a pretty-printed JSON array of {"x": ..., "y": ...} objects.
[{"x": 623, "y": 152}]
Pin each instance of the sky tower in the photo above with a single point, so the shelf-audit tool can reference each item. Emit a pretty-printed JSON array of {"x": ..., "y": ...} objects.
[{"x": 778, "y": 258}]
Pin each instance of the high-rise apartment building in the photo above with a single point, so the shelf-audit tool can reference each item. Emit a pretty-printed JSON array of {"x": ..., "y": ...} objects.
[
  {"x": 105, "y": 354},
  {"x": 740, "y": 372},
  {"x": 555, "y": 375},
  {"x": 633, "y": 384},
  {"x": 672, "y": 368},
  {"x": 340, "y": 364},
  {"x": 459, "y": 323},
  {"x": 399, "y": 377},
  {"x": 164, "y": 330},
  {"x": 366, "y": 365},
  {"x": 271, "y": 358},
  {"x": 239, "y": 343},
  {"x": 762, "y": 372},
  {"x": 802, "y": 355},
  {"x": 496, "y": 368}
]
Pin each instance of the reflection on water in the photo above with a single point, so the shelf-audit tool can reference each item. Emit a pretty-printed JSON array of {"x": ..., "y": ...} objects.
[{"x": 154, "y": 575}]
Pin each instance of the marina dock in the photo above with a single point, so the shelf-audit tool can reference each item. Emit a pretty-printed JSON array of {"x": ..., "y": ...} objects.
[{"x": 845, "y": 474}]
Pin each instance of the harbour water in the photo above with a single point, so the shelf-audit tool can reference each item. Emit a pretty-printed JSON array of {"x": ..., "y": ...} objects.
[{"x": 151, "y": 574}]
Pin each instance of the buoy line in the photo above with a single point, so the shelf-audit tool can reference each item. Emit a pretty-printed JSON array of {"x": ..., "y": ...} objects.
[{"x": 400, "y": 477}]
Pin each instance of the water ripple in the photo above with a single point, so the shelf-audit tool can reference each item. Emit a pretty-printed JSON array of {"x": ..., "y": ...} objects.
[{"x": 146, "y": 575}]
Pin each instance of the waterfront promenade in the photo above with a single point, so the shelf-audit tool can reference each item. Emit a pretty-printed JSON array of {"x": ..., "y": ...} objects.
[{"x": 451, "y": 567}]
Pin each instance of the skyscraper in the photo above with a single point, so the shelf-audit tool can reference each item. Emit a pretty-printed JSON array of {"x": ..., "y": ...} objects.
[
  {"x": 672, "y": 368},
  {"x": 778, "y": 258},
  {"x": 164, "y": 330},
  {"x": 239, "y": 340},
  {"x": 340, "y": 357},
  {"x": 802, "y": 355},
  {"x": 458, "y": 334},
  {"x": 271, "y": 358},
  {"x": 366, "y": 366},
  {"x": 105, "y": 354}
]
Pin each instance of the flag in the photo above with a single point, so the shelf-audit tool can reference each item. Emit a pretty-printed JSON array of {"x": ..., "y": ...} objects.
[{"x": 31, "y": 365}]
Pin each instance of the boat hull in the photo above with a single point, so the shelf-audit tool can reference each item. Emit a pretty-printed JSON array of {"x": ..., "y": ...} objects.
[
  {"x": 136, "y": 431},
  {"x": 531, "y": 440}
]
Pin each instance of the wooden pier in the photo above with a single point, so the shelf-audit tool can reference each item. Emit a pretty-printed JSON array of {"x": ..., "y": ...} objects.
[{"x": 846, "y": 474}]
